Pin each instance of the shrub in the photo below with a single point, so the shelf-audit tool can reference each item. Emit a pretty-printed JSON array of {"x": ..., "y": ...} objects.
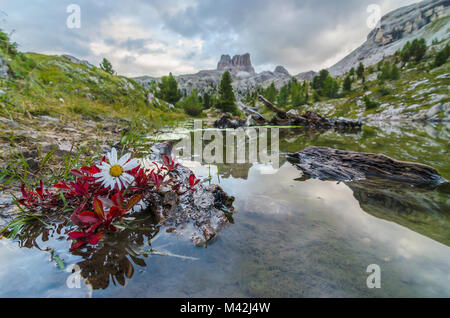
[
  {"x": 442, "y": 56},
  {"x": 191, "y": 104},
  {"x": 383, "y": 91},
  {"x": 370, "y": 104}
]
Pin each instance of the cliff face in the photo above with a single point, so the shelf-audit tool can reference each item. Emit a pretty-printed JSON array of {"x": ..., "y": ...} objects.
[
  {"x": 427, "y": 19},
  {"x": 239, "y": 63}
]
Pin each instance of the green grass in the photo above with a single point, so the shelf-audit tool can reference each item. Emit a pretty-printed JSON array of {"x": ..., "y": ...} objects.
[{"x": 52, "y": 85}]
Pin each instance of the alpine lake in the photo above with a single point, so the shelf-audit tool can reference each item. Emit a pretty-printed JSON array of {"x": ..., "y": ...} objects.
[{"x": 289, "y": 237}]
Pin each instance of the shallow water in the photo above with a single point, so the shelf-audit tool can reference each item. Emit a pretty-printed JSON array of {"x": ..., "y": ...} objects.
[{"x": 290, "y": 237}]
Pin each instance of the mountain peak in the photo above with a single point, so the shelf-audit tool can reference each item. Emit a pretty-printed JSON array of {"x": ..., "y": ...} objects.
[
  {"x": 280, "y": 69},
  {"x": 239, "y": 63}
]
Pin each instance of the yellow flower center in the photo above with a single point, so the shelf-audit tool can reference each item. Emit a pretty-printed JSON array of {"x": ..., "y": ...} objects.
[{"x": 116, "y": 171}]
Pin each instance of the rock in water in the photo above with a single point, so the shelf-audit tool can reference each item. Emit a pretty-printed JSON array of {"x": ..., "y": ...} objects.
[
  {"x": 332, "y": 164},
  {"x": 198, "y": 215}
]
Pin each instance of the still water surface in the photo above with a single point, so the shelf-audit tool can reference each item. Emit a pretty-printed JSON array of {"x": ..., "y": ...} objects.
[{"x": 290, "y": 238}]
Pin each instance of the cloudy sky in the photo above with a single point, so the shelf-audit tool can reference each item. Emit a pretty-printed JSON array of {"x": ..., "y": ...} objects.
[{"x": 155, "y": 37}]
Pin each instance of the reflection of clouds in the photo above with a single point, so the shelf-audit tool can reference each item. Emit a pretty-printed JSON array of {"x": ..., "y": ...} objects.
[
  {"x": 266, "y": 168},
  {"x": 407, "y": 249}
]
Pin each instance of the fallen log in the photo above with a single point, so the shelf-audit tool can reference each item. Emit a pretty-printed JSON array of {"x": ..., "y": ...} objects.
[
  {"x": 332, "y": 164},
  {"x": 226, "y": 121},
  {"x": 281, "y": 113},
  {"x": 308, "y": 119}
]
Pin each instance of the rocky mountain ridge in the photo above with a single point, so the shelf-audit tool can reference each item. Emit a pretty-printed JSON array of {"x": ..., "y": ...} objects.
[
  {"x": 244, "y": 76},
  {"x": 429, "y": 19},
  {"x": 239, "y": 63}
]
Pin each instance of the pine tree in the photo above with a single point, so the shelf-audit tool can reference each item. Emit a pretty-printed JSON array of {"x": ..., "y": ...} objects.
[
  {"x": 107, "y": 66},
  {"x": 395, "y": 72},
  {"x": 283, "y": 96},
  {"x": 206, "y": 101},
  {"x": 352, "y": 71},
  {"x": 442, "y": 56},
  {"x": 227, "y": 99},
  {"x": 168, "y": 89},
  {"x": 347, "y": 86},
  {"x": 271, "y": 93},
  {"x": 418, "y": 49},
  {"x": 360, "y": 70}
]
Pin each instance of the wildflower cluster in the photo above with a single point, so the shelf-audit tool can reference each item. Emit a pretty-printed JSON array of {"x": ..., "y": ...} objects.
[{"x": 102, "y": 195}]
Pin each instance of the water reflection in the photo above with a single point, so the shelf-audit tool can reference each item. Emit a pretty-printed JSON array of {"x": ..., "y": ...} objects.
[
  {"x": 113, "y": 258},
  {"x": 290, "y": 238}
]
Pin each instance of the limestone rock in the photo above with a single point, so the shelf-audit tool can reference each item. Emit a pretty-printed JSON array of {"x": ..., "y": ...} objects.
[
  {"x": 239, "y": 63},
  {"x": 395, "y": 29}
]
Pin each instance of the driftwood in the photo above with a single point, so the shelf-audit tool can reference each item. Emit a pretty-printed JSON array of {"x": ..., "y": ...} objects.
[
  {"x": 308, "y": 119},
  {"x": 281, "y": 113},
  {"x": 333, "y": 164},
  {"x": 250, "y": 112},
  {"x": 226, "y": 121}
]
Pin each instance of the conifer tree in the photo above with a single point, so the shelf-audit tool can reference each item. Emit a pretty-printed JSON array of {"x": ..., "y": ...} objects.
[{"x": 227, "y": 99}]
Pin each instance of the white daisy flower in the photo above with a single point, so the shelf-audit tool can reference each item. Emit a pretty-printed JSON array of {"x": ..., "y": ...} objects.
[{"x": 114, "y": 173}]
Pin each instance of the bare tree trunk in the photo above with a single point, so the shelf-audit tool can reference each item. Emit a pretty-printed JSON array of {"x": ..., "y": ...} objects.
[{"x": 272, "y": 107}]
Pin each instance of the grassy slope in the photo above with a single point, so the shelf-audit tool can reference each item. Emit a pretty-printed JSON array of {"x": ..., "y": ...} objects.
[
  {"x": 53, "y": 85},
  {"x": 419, "y": 88}
]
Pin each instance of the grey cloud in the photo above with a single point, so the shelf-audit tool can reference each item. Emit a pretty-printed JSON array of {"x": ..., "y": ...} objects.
[{"x": 285, "y": 32}]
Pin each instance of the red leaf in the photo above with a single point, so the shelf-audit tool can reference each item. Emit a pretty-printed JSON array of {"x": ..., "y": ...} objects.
[
  {"x": 76, "y": 235},
  {"x": 76, "y": 173},
  {"x": 93, "y": 239},
  {"x": 98, "y": 208},
  {"x": 94, "y": 227},
  {"x": 62, "y": 185},
  {"x": 118, "y": 199},
  {"x": 77, "y": 245},
  {"x": 113, "y": 212},
  {"x": 134, "y": 200},
  {"x": 88, "y": 217}
]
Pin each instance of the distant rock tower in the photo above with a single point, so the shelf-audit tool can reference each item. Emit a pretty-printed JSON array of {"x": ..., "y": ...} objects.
[{"x": 239, "y": 63}]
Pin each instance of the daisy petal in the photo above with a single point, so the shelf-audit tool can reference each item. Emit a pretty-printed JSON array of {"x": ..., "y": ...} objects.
[
  {"x": 133, "y": 163},
  {"x": 124, "y": 159},
  {"x": 104, "y": 166},
  {"x": 129, "y": 178},
  {"x": 113, "y": 157}
]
